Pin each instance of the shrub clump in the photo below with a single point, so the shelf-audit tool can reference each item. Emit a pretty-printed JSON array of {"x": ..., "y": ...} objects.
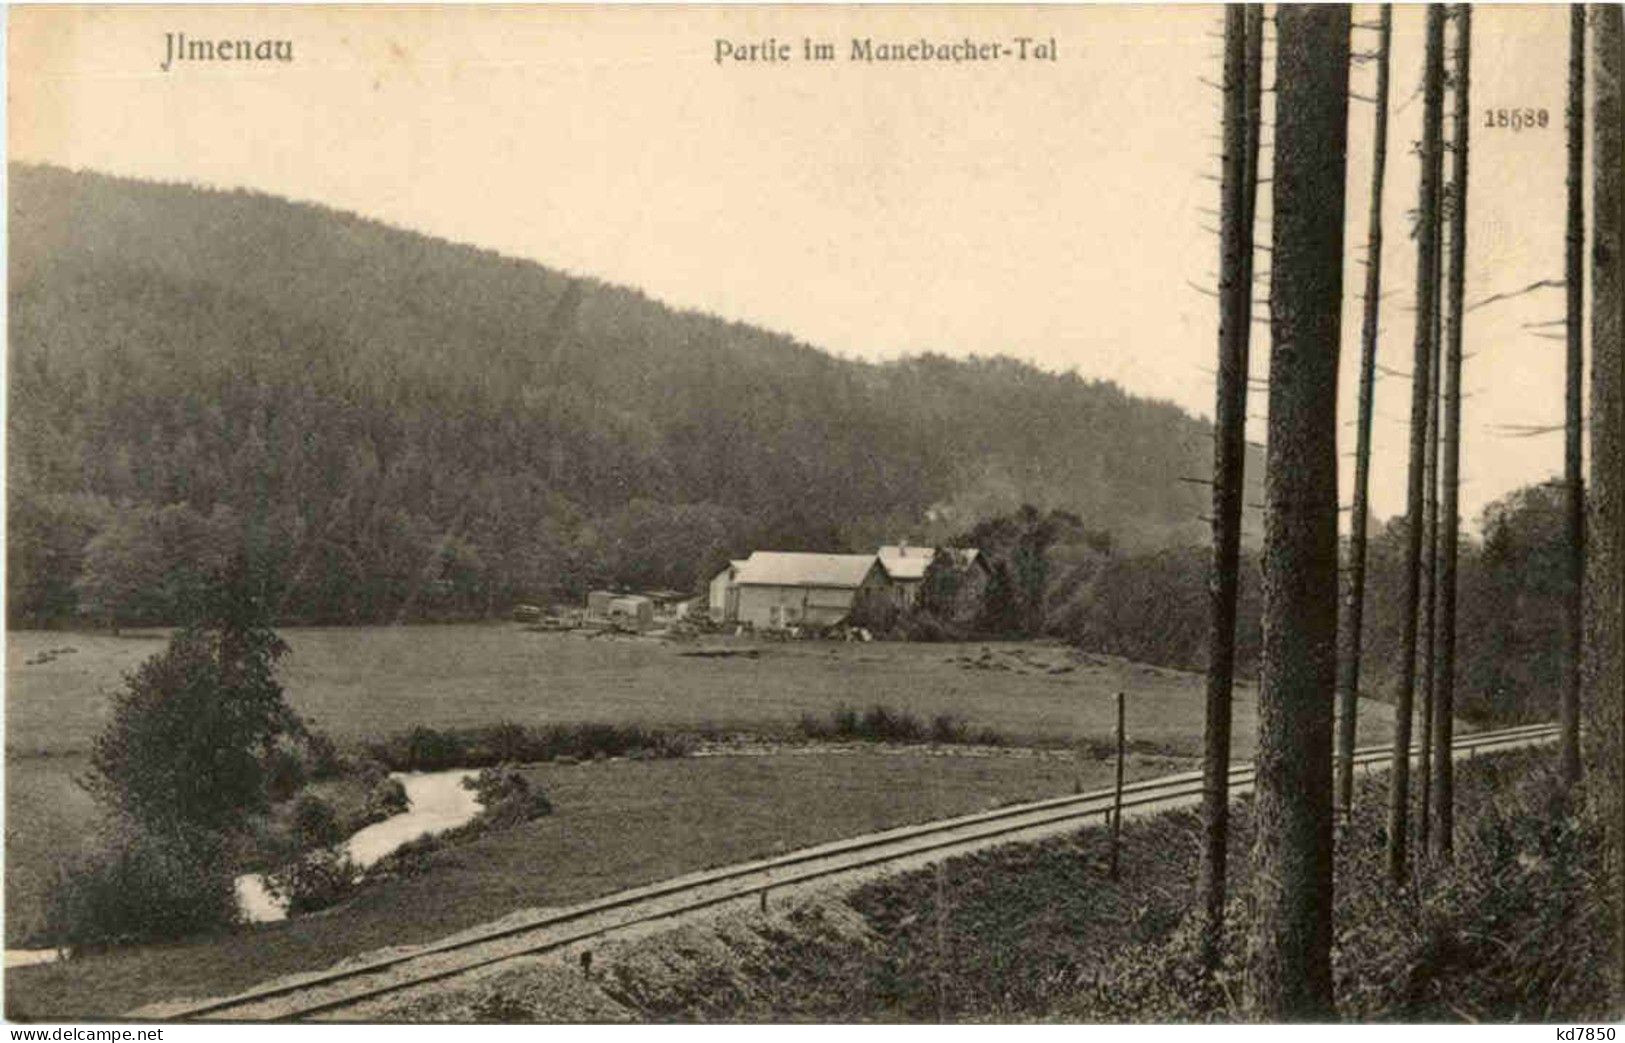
[
  {"x": 507, "y": 798},
  {"x": 884, "y": 724},
  {"x": 319, "y": 879},
  {"x": 315, "y": 823},
  {"x": 385, "y": 797},
  {"x": 142, "y": 886},
  {"x": 432, "y": 749}
]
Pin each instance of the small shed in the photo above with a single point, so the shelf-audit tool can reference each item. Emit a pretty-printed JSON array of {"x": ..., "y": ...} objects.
[
  {"x": 598, "y": 602},
  {"x": 632, "y": 608}
]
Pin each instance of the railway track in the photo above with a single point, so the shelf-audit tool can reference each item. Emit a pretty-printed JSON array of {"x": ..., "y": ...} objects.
[{"x": 327, "y": 992}]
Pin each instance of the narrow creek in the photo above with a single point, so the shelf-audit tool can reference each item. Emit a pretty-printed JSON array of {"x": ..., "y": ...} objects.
[{"x": 436, "y": 802}]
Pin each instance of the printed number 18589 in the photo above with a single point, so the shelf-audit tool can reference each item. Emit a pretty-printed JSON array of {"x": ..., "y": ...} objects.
[{"x": 1516, "y": 119}]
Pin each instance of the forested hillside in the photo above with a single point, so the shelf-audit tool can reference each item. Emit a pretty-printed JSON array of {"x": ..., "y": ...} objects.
[{"x": 417, "y": 429}]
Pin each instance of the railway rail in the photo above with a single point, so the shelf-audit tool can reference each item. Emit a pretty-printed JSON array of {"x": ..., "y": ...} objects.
[{"x": 327, "y": 992}]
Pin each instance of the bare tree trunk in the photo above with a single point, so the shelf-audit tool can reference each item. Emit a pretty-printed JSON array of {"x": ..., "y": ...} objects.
[
  {"x": 1426, "y": 300},
  {"x": 1238, "y": 186},
  {"x": 1604, "y": 659},
  {"x": 1429, "y": 591},
  {"x": 1289, "y": 974},
  {"x": 1573, "y": 479},
  {"x": 1349, "y": 680},
  {"x": 1444, "y": 690}
]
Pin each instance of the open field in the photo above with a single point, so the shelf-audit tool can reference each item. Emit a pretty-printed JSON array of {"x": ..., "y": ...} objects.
[
  {"x": 370, "y": 681},
  {"x": 617, "y": 824}
]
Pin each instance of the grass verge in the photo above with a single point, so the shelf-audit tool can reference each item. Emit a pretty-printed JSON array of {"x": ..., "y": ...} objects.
[
  {"x": 1518, "y": 928},
  {"x": 616, "y": 824}
]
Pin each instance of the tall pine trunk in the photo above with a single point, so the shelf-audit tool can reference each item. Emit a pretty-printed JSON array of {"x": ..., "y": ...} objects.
[
  {"x": 1429, "y": 590},
  {"x": 1444, "y": 681},
  {"x": 1289, "y": 973},
  {"x": 1604, "y": 659},
  {"x": 1243, "y": 33},
  {"x": 1348, "y": 685},
  {"x": 1426, "y": 300},
  {"x": 1573, "y": 479}
]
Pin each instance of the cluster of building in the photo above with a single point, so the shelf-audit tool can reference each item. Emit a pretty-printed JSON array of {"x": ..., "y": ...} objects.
[
  {"x": 781, "y": 589},
  {"x": 637, "y": 610}
]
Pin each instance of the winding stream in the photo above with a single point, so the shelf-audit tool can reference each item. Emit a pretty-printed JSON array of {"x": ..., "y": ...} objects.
[{"x": 436, "y": 801}]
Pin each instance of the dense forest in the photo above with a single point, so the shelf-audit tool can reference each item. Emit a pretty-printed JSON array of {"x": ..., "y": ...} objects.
[
  {"x": 409, "y": 428},
  {"x": 1151, "y": 606}
]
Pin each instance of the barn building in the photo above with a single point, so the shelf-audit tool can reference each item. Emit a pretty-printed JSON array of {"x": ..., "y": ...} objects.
[{"x": 775, "y": 589}]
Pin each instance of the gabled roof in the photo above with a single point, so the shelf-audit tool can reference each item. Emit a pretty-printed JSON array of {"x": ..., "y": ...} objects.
[
  {"x": 789, "y": 569},
  {"x": 909, "y": 562},
  {"x": 728, "y": 569}
]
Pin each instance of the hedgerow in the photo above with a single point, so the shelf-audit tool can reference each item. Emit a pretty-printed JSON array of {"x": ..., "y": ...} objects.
[{"x": 432, "y": 749}]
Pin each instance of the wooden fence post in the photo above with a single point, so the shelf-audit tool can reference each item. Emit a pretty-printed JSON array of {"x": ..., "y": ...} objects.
[{"x": 1117, "y": 791}]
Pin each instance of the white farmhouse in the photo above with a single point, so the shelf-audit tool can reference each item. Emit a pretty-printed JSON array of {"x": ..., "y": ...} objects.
[{"x": 774, "y": 589}]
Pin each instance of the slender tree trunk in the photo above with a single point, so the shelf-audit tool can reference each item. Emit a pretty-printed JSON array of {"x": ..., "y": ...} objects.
[
  {"x": 1289, "y": 974},
  {"x": 1349, "y": 680},
  {"x": 1237, "y": 188},
  {"x": 1429, "y": 592},
  {"x": 1604, "y": 659},
  {"x": 1426, "y": 301},
  {"x": 1573, "y": 479},
  {"x": 1444, "y": 688}
]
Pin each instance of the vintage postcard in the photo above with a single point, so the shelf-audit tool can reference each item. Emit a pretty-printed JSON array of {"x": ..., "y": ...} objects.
[{"x": 834, "y": 513}]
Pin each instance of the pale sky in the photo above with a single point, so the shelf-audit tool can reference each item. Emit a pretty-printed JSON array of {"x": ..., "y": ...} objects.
[{"x": 1049, "y": 210}]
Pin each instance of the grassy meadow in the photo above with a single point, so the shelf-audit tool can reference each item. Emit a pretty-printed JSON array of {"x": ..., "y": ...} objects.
[
  {"x": 355, "y": 683},
  {"x": 618, "y": 823}
]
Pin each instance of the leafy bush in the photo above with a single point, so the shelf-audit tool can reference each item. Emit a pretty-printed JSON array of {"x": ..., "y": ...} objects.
[
  {"x": 927, "y": 628},
  {"x": 315, "y": 823},
  {"x": 884, "y": 724},
  {"x": 141, "y": 886},
  {"x": 946, "y": 728},
  {"x": 385, "y": 797},
  {"x": 507, "y": 797},
  {"x": 320, "y": 879},
  {"x": 187, "y": 742},
  {"x": 284, "y": 774},
  {"x": 322, "y": 760}
]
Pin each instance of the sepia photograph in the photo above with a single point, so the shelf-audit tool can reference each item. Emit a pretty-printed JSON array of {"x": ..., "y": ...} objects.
[{"x": 824, "y": 514}]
